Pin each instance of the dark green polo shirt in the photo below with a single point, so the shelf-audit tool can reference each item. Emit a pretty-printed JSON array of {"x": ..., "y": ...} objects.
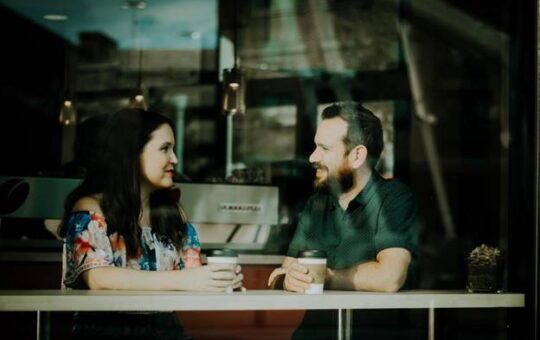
[{"x": 383, "y": 215}]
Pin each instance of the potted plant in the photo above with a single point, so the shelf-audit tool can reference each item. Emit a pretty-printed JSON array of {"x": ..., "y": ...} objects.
[{"x": 484, "y": 269}]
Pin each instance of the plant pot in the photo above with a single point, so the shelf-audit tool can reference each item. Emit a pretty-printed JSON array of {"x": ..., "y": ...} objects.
[{"x": 483, "y": 278}]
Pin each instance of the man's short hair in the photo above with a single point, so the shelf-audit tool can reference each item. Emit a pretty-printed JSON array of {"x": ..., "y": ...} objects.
[{"x": 364, "y": 128}]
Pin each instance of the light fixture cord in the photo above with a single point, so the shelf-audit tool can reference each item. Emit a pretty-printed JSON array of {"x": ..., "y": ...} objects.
[
  {"x": 67, "y": 67},
  {"x": 139, "y": 80},
  {"x": 235, "y": 32},
  {"x": 66, "y": 72},
  {"x": 137, "y": 40}
]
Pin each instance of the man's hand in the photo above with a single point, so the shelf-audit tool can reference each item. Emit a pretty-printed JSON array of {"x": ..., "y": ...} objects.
[
  {"x": 291, "y": 276},
  {"x": 297, "y": 278}
]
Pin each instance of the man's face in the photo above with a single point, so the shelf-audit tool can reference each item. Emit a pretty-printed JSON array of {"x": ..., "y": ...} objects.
[{"x": 333, "y": 171}]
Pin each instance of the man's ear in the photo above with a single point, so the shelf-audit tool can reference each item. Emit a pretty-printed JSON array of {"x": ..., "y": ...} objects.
[{"x": 358, "y": 156}]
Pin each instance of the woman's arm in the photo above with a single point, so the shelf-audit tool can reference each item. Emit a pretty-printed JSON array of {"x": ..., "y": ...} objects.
[
  {"x": 91, "y": 260},
  {"x": 211, "y": 278}
]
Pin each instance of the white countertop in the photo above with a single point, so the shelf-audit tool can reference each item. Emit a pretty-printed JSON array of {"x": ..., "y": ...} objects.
[{"x": 110, "y": 300}]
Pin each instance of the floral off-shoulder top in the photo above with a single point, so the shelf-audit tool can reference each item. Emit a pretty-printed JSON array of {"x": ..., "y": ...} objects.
[{"x": 89, "y": 245}]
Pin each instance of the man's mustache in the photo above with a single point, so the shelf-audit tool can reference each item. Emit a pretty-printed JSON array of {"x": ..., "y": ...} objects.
[{"x": 318, "y": 166}]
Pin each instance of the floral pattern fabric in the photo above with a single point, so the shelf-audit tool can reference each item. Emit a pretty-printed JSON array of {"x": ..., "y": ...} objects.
[{"x": 89, "y": 245}]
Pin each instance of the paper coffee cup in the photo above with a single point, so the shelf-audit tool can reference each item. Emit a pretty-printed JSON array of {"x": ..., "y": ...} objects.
[
  {"x": 225, "y": 256},
  {"x": 222, "y": 256},
  {"x": 315, "y": 262}
]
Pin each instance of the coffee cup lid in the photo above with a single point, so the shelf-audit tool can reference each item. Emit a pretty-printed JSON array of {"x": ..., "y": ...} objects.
[
  {"x": 222, "y": 253},
  {"x": 314, "y": 254}
]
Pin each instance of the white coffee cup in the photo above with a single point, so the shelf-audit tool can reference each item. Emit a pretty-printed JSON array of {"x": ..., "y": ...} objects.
[
  {"x": 222, "y": 256},
  {"x": 315, "y": 261}
]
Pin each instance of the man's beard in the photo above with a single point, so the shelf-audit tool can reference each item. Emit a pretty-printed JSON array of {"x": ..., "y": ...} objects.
[{"x": 335, "y": 184}]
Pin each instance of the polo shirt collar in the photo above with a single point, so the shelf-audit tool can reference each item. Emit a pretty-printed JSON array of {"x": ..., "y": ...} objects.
[{"x": 363, "y": 196}]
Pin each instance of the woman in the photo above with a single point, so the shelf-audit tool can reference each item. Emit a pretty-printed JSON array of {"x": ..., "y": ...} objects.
[{"x": 124, "y": 229}]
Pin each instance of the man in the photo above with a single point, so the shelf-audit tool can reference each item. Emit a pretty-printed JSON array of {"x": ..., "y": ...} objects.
[{"x": 366, "y": 224}]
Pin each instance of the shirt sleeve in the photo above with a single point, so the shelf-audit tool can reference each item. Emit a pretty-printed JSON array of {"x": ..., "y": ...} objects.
[
  {"x": 191, "y": 251},
  {"x": 86, "y": 246},
  {"x": 398, "y": 222}
]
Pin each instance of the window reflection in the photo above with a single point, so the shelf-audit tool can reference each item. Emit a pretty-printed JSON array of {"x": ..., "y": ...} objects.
[{"x": 447, "y": 78}]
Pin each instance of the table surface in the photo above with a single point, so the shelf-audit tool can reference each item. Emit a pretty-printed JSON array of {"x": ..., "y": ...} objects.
[{"x": 114, "y": 300}]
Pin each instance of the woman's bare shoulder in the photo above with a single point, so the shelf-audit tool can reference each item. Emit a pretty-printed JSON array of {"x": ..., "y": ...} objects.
[{"x": 88, "y": 203}]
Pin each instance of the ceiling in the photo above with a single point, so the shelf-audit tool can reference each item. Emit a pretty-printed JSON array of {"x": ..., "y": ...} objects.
[{"x": 163, "y": 24}]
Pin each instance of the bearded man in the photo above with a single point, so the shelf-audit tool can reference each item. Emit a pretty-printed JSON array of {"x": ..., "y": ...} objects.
[{"x": 367, "y": 225}]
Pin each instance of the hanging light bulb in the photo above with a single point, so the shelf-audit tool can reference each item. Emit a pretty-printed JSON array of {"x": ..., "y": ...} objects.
[
  {"x": 233, "y": 91},
  {"x": 138, "y": 102},
  {"x": 68, "y": 115},
  {"x": 233, "y": 79}
]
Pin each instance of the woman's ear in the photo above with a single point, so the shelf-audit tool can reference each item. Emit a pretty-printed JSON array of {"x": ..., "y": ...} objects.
[{"x": 358, "y": 156}]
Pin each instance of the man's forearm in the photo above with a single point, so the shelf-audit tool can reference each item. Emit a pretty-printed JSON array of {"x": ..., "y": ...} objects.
[
  {"x": 368, "y": 276},
  {"x": 387, "y": 273},
  {"x": 340, "y": 279}
]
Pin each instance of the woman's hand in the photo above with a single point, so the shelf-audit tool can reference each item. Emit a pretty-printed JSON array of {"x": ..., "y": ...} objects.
[{"x": 212, "y": 278}]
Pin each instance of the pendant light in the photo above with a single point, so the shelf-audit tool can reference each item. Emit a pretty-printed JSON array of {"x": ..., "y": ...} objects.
[
  {"x": 233, "y": 95},
  {"x": 137, "y": 100},
  {"x": 233, "y": 79},
  {"x": 68, "y": 114},
  {"x": 233, "y": 91}
]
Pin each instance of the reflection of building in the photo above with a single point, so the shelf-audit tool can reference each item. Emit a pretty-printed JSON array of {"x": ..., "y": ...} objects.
[
  {"x": 160, "y": 68},
  {"x": 104, "y": 70}
]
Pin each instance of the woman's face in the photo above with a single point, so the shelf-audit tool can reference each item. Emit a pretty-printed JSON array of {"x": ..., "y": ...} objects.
[{"x": 158, "y": 159}]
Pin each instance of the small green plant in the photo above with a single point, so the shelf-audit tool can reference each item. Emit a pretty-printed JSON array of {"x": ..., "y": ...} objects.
[{"x": 484, "y": 255}]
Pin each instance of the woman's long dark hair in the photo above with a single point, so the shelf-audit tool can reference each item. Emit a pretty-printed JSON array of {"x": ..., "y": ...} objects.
[{"x": 116, "y": 175}]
